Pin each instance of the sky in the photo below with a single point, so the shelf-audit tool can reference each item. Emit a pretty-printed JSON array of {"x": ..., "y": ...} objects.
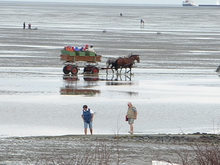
[{"x": 126, "y": 1}]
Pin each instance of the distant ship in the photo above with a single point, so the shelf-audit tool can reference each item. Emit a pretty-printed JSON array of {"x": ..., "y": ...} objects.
[
  {"x": 188, "y": 3},
  {"x": 216, "y": 5}
]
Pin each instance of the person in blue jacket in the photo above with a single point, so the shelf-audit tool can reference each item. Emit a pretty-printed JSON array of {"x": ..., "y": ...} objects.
[{"x": 87, "y": 116}]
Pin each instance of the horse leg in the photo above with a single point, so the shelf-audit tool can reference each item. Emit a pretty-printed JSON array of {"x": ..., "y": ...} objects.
[
  {"x": 108, "y": 64},
  {"x": 129, "y": 77},
  {"x": 107, "y": 69},
  {"x": 116, "y": 69},
  {"x": 126, "y": 70},
  {"x": 120, "y": 77},
  {"x": 130, "y": 66},
  {"x": 112, "y": 69},
  {"x": 121, "y": 69},
  {"x": 130, "y": 71}
]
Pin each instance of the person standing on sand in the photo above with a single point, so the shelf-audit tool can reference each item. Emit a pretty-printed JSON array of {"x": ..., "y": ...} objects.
[
  {"x": 87, "y": 116},
  {"x": 24, "y": 25},
  {"x": 142, "y": 23},
  {"x": 29, "y": 26},
  {"x": 131, "y": 115}
]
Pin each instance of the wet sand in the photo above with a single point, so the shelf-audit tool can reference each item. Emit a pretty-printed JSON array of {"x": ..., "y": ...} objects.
[{"x": 104, "y": 149}]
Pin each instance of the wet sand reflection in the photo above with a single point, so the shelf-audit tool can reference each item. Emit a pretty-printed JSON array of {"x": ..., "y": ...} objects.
[{"x": 81, "y": 85}]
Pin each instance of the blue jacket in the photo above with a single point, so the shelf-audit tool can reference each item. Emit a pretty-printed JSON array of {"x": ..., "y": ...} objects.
[{"x": 87, "y": 116}]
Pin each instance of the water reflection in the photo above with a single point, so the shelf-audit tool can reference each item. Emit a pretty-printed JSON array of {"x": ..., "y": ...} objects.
[
  {"x": 70, "y": 77},
  {"x": 73, "y": 91},
  {"x": 91, "y": 77},
  {"x": 74, "y": 86},
  {"x": 87, "y": 84},
  {"x": 119, "y": 77},
  {"x": 119, "y": 80}
]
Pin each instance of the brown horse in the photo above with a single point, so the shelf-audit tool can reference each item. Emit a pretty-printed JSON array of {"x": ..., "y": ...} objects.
[{"x": 126, "y": 62}]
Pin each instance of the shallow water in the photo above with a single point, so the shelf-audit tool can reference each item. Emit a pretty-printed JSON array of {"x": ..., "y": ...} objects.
[
  {"x": 174, "y": 87},
  {"x": 41, "y": 101}
]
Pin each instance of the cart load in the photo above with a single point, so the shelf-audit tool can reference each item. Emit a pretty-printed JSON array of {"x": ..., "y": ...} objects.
[{"x": 70, "y": 55}]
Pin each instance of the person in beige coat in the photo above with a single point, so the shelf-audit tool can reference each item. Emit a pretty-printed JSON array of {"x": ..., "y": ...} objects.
[{"x": 131, "y": 115}]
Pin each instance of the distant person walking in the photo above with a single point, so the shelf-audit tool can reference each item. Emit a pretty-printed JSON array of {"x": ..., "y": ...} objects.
[
  {"x": 87, "y": 116},
  {"x": 24, "y": 26},
  {"x": 142, "y": 23},
  {"x": 131, "y": 115}
]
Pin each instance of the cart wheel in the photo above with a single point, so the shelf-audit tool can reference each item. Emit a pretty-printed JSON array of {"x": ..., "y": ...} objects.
[
  {"x": 87, "y": 69},
  {"x": 66, "y": 69},
  {"x": 74, "y": 70},
  {"x": 95, "y": 70}
]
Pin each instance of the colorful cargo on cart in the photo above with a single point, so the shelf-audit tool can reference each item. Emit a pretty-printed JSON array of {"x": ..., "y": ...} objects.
[{"x": 71, "y": 56}]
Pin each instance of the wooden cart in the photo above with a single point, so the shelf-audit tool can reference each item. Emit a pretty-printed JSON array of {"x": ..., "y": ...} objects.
[{"x": 70, "y": 60}]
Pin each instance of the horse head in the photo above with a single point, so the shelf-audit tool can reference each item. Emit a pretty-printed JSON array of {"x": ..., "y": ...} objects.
[{"x": 135, "y": 57}]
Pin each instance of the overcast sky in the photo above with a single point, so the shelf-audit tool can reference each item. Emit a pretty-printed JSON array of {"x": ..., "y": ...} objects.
[{"x": 128, "y": 1}]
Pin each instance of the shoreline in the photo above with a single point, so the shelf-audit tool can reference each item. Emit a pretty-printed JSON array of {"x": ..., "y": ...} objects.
[{"x": 149, "y": 138}]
